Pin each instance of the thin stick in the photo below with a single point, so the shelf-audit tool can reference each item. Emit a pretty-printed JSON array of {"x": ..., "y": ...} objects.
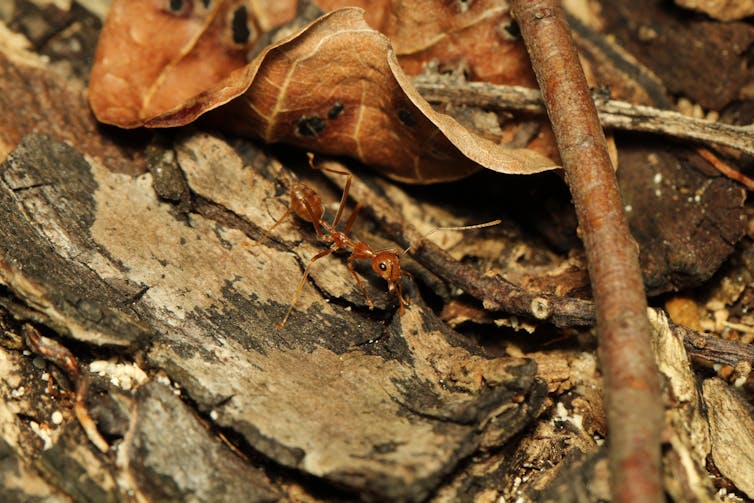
[
  {"x": 60, "y": 356},
  {"x": 632, "y": 389},
  {"x": 613, "y": 114},
  {"x": 725, "y": 169}
]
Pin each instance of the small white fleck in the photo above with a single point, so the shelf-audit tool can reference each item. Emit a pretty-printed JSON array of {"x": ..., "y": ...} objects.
[
  {"x": 57, "y": 417},
  {"x": 348, "y": 308},
  {"x": 163, "y": 379},
  {"x": 123, "y": 375},
  {"x": 658, "y": 178},
  {"x": 697, "y": 198},
  {"x": 658, "y": 192},
  {"x": 43, "y": 434},
  {"x": 628, "y": 208},
  {"x": 45, "y": 376},
  {"x": 213, "y": 415},
  {"x": 18, "y": 392}
]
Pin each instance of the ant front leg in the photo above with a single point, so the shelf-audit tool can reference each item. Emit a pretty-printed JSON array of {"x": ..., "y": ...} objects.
[{"x": 350, "y": 262}]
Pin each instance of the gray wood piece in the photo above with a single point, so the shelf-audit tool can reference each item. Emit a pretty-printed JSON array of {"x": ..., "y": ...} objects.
[{"x": 385, "y": 409}]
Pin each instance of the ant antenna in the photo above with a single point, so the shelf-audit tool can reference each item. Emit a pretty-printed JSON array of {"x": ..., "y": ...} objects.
[{"x": 455, "y": 228}]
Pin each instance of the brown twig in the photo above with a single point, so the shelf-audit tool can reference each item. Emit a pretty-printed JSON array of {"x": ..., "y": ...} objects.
[
  {"x": 60, "y": 356},
  {"x": 725, "y": 169},
  {"x": 613, "y": 114},
  {"x": 632, "y": 390}
]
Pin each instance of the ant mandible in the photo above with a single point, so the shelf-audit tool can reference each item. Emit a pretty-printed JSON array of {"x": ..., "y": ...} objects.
[{"x": 307, "y": 205}]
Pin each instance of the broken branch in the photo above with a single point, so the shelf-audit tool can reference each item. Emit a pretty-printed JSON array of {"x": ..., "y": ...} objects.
[
  {"x": 632, "y": 389},
  {"x": 613, "y": 114}
]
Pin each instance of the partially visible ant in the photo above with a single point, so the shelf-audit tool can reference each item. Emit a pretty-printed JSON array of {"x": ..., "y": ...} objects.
[{"x": 307, "y": 205}]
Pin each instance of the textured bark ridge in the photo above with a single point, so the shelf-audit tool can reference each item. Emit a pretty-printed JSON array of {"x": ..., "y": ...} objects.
[{"x": 383, "y": 408}]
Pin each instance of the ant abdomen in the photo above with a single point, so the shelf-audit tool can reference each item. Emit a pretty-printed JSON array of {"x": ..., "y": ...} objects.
[{"x": 306, "y": 203}]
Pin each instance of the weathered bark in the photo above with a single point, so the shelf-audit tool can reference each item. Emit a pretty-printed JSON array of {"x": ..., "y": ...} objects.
[{"x": 407, "y": 401}]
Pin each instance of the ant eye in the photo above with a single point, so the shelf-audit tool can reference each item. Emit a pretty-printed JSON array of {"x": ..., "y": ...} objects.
[{"x": 383, "y": 267}]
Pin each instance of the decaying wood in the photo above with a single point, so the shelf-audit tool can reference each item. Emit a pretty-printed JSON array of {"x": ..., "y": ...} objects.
[
  {"x": 710, "y": 74},
  {"x": 407, "y": 401},
  {"x": 731, "y": 433}
]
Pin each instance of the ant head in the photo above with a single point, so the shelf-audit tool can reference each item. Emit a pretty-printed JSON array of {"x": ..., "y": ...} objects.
[{"x": 387, "y": 265}]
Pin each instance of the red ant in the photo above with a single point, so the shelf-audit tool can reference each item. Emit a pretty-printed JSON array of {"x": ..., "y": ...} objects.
[{"x": 307, "y": 205}]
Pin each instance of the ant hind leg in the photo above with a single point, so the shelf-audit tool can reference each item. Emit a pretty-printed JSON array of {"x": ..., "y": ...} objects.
[
  {"x": 267, "y": 233},
  {"x": 346, "y": 188}
]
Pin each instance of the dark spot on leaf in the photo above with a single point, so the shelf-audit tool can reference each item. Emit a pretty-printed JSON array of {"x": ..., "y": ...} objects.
[
  {"x": 335, "y": 111},
  {"x": 310, "y": 126},
  {"x": 406, "y": 117},
  {"x": 207, "y": 3},
  {"x": 240, "y": 24},
  {"x": 176, "y": 5}
]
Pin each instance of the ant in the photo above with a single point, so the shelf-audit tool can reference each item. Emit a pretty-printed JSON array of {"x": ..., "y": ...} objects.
[{"x": 307, "y": 205}]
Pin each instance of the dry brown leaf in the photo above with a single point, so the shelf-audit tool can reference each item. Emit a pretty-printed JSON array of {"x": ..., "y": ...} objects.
[
  {"x": 152, "y": 58},
  {"x": 335, "y": 87},
  {"x": 478, "y": 36}
]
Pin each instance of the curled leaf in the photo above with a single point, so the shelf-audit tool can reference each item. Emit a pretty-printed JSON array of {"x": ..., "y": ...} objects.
[
  {"x": 336, "y": 88},
  {"x": 154, "y": 55},
  {"x": 480, "y": 36}
]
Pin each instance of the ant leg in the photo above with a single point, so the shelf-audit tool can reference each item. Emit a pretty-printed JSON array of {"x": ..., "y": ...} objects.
[
  {"x": 358, "y": 282},
  {"x": 395, "y": 287},
  {"x": 301, "y": 283},
  {"x": 266, "y": 233},
  {"x": 346, "y": 188},
  {"x": 343, "y": 198},
  {"x": 352, "y": 218}
]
